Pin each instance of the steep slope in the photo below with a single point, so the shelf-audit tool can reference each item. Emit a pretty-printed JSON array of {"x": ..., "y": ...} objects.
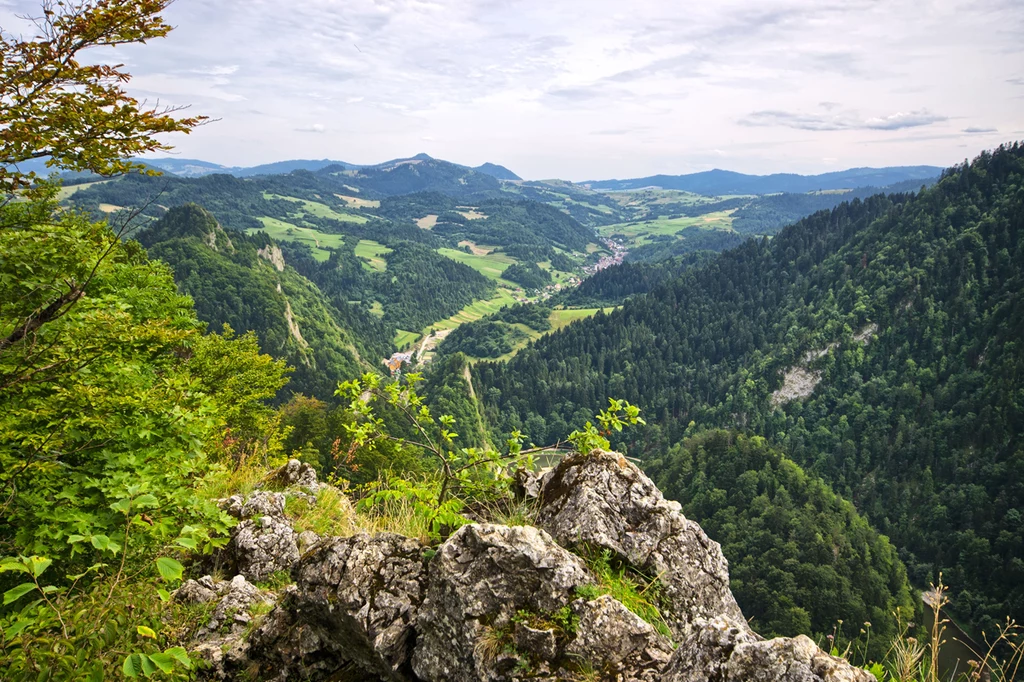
[
  {"x": 800, "y": 557},
  {"x": 877, "y": 344},
  {"x": 244, "y": 281}
]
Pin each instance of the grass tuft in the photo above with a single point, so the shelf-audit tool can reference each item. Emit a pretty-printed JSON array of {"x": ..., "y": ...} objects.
[{"x": 635, "y": 592}]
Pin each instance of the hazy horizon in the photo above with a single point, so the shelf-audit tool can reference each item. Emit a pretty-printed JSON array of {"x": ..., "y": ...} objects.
[
  {"x": 160, "y": 157},
  {"x": 584, "y": 91}
]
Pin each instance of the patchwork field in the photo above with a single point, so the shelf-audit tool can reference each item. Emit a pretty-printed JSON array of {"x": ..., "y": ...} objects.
[
  {"x": 288, "y": 232},
  {"x": 646, "y": 197},
  {"x": 404, "y": 338},
  {"x": 638, "y": 231},
  {"x": 372, "y": 254},
  {"x": 66, "y": 191},
  {"x": 474, "y": 311},
  {"x": 427, "y": 222},
  {"x": 315, "y": 208},
  {"x": 558, "y": 319},
  {"x": 490, "y": 265},
  {"x": 476, "y": 248}
]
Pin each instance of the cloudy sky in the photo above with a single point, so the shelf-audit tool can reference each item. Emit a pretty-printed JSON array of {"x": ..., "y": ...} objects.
[{"x": 587, "y": 89}]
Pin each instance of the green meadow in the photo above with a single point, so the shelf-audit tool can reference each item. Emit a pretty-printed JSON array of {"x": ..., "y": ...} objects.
[
  {"x": 372, "y": 254},
  {"x": 638, "y": 231},
  {"x": 318, "y": 241},
  {"x": 315, "y": 208},
  {"x": 491, "y": 265}
]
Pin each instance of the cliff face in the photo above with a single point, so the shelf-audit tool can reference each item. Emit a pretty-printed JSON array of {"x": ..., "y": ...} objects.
[{"x": 493, "y": 602}]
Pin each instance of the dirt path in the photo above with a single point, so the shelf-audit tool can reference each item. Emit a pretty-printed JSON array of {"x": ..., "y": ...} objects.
[
  {"x": 430, "y": 342},
  {"x": 469, "y": 380}
]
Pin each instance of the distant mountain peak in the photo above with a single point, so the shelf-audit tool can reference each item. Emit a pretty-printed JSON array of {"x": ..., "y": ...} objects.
[{"x": 497, "y": 171}]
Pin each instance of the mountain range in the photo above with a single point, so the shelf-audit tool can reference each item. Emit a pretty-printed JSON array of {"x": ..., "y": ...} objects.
[
  {"x": 192, "y": 168},
  {"x": 720, "y": 182}
]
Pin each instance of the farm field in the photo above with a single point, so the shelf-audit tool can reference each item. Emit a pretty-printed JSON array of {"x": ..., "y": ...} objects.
[
  {"x": 66, "y": 191},
  {"x": 356, "y": 202},
  {"x": 638, "y": 231},
  {"x": 565, "y": 317},
  {"x": 490, "y": 265},
  {"x": 315, "y": 208},
  {"x": 475, "y": 310},
  {"x": 288, "y": 232},
  {"x": 404, "y": 338},
  {"x": 559, "y": 319},
  {"x": 372, "y": 254}
]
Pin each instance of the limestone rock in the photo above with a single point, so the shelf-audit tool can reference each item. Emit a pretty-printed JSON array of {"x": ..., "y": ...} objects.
[
  {"x": 703, "y": 656},
  {"x": 232, "y": 611},
  {"x": 353, "y": 604},
  {"x": 795, "y": 659},
  {"x": 722, "y": 650},
  {"x": 602, "y": 500},
  {"x": 493, "y": 602},
  {"x": 296, "y": 474},
  {"x": 264, "y": 542},
  {"x": 618, "y": 642},
  {"x": 307, "y": 539},
  {"x": 221, "y": 656},
  {"x": 479, "y": 579},
  {"x": 192, "y": 592},
  {"x": 542, "y": 643}
]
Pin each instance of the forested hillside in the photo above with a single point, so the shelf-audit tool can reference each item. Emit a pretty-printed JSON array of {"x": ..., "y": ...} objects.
[
  {"x": 245, "y": 282},
  {"x": 904, "y": 314},
  {"x": 389, "y": 267},
  {"x": 800, "y": 557}
]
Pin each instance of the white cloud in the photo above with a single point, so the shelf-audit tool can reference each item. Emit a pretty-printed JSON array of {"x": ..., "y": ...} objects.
[
  {"x": 848, "y": 120},
  {"x": 588, "y": 88}
]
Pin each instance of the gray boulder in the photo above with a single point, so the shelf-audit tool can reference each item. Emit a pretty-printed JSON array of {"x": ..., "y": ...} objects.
[
  {"x": 296, "y": 474},
  {"x": 264, "y": 541},
  {"x": 601, "y": 500},
  {"x": 353, "y": 604},
  {"x": 722, "y": 650},
  {"x": 232, "y": 612},
  {"x": 481, "y": 577},
  {"x": 618, "y": 643}
]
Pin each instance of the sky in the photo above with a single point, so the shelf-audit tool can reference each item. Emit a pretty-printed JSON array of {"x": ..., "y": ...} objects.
[{"x": 591, "y": 89}]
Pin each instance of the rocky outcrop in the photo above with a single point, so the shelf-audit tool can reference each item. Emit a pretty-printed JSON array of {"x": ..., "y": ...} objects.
[
  {"x": 603, "y": 501},
  {"x": 481, "y": 578},
  {"x": 622, "y": 644},
  {"x": 353, "y": 605},
  {"x": 296, "y": 474},
  {"x": 264, "y": 542},
  {"x": 725, "y": 651},
  {"x": 492, "y": 602}
]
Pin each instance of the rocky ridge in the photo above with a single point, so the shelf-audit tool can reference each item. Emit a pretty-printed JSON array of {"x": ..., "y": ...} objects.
[{"x": 492, "y": 602}]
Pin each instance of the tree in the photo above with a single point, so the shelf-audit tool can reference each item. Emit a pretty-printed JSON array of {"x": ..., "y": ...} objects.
[
  {"x": 111, "y": 400},
  {"x": 78, "y": 115}
]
